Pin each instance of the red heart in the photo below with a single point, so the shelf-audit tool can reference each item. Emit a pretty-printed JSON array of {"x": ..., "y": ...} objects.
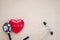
[{"x": 17, "y": 25}]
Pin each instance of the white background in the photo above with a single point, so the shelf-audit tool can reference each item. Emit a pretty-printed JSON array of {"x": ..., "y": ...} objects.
[{"x": 33, "y": 12}]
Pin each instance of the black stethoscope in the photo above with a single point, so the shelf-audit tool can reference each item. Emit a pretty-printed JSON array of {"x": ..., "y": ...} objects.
[{"x": 7, "y": 28}]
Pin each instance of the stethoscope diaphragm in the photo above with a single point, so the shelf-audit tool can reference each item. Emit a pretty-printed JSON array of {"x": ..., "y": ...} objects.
[{"x": 7, "y": 28}]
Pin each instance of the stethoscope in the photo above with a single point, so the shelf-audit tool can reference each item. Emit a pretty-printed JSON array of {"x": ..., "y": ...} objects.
[
  {"x": 39, "y": 30},
  {"x": 7, "y": 28}
]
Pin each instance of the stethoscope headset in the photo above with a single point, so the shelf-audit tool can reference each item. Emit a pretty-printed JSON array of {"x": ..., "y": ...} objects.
[
  {"x": 7, "y": 28},
  {"x": 47, "y": 27}
]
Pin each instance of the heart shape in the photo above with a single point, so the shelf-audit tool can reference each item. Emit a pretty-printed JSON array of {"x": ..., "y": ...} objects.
[{"x": 17, "y": 25}]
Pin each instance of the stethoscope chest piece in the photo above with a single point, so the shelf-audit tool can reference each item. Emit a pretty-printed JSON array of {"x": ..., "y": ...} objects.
[{"x": 7, "y": 28}]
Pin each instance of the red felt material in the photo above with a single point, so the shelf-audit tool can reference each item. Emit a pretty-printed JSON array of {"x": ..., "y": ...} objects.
[{"x": 17, "y": 25}]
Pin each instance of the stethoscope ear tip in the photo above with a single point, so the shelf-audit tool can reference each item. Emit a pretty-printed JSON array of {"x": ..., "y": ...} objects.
[
  {"x": 44, "y": 23},
  {"x": 51, "y": 33}
]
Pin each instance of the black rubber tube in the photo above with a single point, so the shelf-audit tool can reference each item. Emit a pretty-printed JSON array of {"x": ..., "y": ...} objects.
[
  {"x": 9, "y": 36},
  {"x": 26, "y": 38}
]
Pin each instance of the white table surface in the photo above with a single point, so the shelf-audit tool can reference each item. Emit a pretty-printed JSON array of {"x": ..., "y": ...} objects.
[{"x": 33, "y": 12}]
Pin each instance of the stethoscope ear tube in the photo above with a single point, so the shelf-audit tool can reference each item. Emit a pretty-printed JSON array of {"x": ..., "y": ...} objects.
[{"x": 26, "y": 38}]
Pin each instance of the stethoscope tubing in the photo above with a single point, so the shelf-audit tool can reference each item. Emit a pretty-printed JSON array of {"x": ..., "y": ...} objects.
[{"x": 9, "y": 36}]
